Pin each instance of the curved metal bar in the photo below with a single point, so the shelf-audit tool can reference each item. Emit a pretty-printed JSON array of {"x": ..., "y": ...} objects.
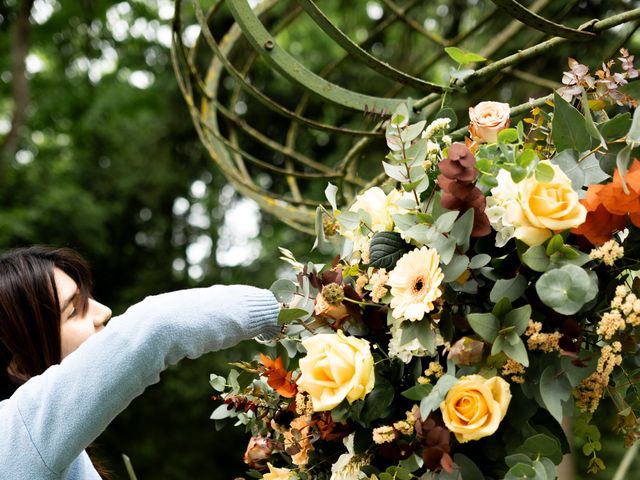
[
  {"x": 526, "y": 16},
  {"x": 257, "y": 94},
  {"x": 358, "y": 53},
  {"x": 284, "y": 63}
]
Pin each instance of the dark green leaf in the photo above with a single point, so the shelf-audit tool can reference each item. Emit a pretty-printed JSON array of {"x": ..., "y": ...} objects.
[
  {"x": 617, "y": 127},
  {"x": 386, "y": 249},
  {"x": 417, "y": 392},
  {"x": 288, "y": 315},
  {"x": 568, "y": 127}
]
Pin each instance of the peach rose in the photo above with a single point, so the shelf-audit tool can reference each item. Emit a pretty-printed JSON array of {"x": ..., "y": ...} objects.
[
  {"x": 545, "y": 207},
  {"x": 335, "y": 367},
  {"x": 475, "y": 406},
  {"x": 487, "y": 120}
]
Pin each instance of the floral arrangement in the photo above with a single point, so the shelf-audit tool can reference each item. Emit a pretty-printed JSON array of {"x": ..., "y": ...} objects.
[{"x": 487, "y": 291}]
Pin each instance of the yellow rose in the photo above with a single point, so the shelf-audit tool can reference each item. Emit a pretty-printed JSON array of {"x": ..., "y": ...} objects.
[
  {"x": 335, "y": 367},
  {"x": 545, "y": 207},
  {"x": 475, "y": 406},
  {"x": 279, "y": 474},
  {"x": 487, "y": 120}
]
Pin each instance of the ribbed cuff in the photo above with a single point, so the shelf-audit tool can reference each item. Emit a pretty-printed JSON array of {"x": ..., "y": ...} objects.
[{"x": 263, "y": 313}]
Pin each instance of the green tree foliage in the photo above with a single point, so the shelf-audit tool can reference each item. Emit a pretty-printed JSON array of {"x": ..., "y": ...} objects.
[{"x": 98, "y": 152}]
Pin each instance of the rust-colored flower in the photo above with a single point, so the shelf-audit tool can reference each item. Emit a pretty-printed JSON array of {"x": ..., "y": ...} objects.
[
  {"x": 278, "y": 377},
  {"x": 608, "y": 206},
  {"x": 457, "y": 179}
]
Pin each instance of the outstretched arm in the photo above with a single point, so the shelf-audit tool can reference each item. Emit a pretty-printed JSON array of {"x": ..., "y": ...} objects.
[{"x": 52, "y": 418}]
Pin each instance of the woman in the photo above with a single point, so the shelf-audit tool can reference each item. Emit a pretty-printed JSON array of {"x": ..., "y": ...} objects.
[{"x": 64, "y": 375}]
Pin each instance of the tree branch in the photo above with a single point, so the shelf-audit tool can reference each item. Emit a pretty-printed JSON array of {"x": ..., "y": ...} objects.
[{"x": 20, "y": 35}]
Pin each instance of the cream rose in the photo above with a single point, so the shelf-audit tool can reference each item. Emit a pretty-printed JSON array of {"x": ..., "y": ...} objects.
[
  {"x": 475, "y": 406},
  {"x": 379, "y": 206},
  {"x": 335, "y": 367},
  {"x": 279, "y": 474},
  {"x": 545, "y": 207},
  {"x": 487, "y": 120}
]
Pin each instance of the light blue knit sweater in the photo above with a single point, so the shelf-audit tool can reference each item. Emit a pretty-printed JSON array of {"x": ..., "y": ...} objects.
[{"x": 49, "y": 421}]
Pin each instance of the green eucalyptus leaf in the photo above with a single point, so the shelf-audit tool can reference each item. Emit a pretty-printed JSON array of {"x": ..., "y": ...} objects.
[
  {"x": 508, "y": 135},
  {"x": 462, "y": 229},
  {"x": 518, "y": 318},
  {"x": 455, "y": 267},
  {"x": 386, "y": 249},
  {"x": 432, "y": 401},
  {"x": 349, "y": 220},
  {"x": 513, "y": 347},
  {"x": 446, "y": 247},
  {"x": 567, "y": 160},
  {"x": 424, "y": 234},
  {"x": 544, "y": 172},
  {"x": 536, "y": 258},
  {"x": 512, "y": 288},
  {"x": 542, "y": 445},
  {"x": 330, "y": 192},
  {"x": 589, "y": 123},
  {"x": 486, "y": 325},
  {"x": 633, "y": 136},
  {"x": 404, "y": 221},
  {"x": 566, "y": 289},
  {"x": 622, "y": 163},
  {"x": 468, "y": 469},
  {"x": 217, "y": 382},
  {"x": 444, "y": 222},
  {"x": 284, "y": 290},
  {"x": 527, "y": 157},
  {"x": 555, "y": 389},
  {"x": 397, "y": 172},
  {"x": 516, "y": 458},
  {"x": 479, "y": 261},
  {"x": 521, "y": 471}
]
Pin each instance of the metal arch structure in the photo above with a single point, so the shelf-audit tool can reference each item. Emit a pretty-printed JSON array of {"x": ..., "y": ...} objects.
[{"x": 273, "y": 163}]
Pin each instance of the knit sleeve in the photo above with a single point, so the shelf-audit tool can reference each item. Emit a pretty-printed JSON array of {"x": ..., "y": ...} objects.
[{"x": 68, "y": 406}]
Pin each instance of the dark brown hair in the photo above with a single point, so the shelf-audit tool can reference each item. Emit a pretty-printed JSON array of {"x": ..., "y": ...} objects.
[{"x": 30, "y": 311}]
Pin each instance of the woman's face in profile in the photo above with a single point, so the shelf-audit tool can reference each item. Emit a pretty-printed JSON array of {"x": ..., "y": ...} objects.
[{"x": 75, "y": 327}]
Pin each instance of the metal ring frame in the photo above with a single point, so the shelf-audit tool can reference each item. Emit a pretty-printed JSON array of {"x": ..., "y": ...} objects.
[{"x": 298, "y": 179}]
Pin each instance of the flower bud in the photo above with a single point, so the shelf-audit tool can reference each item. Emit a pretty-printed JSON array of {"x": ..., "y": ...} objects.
[
  {"x": 333, "y": 294},
  {"x": 466, "y": 351},
  {"x": 258, "y": 451}
]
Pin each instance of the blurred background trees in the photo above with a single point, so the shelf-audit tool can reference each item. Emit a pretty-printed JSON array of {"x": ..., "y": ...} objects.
[{"x": 98, "y": 152}]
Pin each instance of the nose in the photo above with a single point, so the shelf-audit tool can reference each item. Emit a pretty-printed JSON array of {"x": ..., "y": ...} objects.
[{"x": 101, "y": 313}]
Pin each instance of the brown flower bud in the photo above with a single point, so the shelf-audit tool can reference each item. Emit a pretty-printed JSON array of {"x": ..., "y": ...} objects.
[
  {"x": 466, "y": 351},
  {"x": 258, "y": 452}
]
